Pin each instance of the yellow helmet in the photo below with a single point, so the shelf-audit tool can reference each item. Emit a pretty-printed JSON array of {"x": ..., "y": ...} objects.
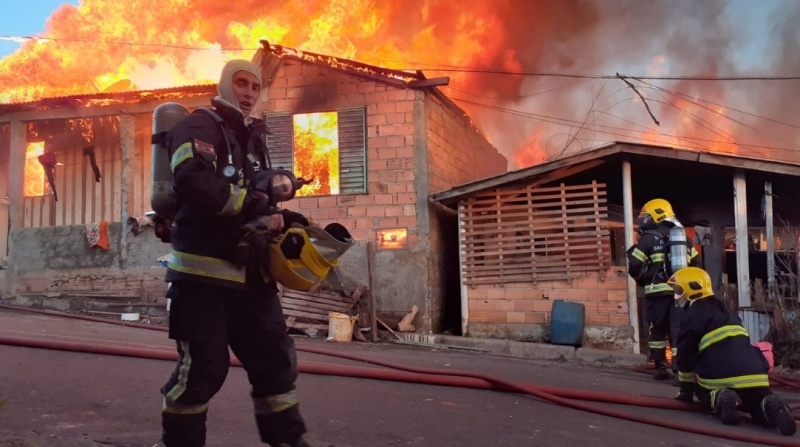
[
  {"x": 302, "y": 257},
  {"x": 691, "y": 284},
  {"x": 657, "y": 209}
]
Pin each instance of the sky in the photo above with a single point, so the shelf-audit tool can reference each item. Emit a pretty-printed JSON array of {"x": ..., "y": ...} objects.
[
  {"x": 27, "y": 20},
  {"x": 529, "y": 118}
]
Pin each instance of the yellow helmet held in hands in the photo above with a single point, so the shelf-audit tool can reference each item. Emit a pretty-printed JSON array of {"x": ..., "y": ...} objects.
[
  {"x": 690, "y": 284},
  {"x": 657, "y": 209},
  {"x": 302, "y": 257}
]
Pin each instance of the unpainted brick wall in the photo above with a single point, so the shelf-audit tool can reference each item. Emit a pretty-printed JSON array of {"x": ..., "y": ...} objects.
[
  {"x": 457, "y": 152},
  {"x": 391, "y": 203},
  {"x": 525, "y": 303}
]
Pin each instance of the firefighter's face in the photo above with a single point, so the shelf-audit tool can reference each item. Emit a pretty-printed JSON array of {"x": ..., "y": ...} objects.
[{"x": 246, "y": 89}]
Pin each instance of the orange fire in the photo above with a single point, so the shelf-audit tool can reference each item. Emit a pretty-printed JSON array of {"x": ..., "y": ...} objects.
[
  {"x": 316, "y": 152},
  {"x": 34, "y": 181},
  {"x": 106, "y": 46},
  {"x": 392, "y": 239}
]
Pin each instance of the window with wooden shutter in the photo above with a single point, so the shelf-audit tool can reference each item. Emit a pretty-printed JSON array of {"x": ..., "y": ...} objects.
[{"x": 329, "y": 147}]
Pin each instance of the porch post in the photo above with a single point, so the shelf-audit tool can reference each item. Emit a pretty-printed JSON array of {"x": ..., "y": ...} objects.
[
  {"x": 128, "y": 145},
  {"x": 771, "y": 286},
  {"x": 627, "y": 207},
  {"x": 463, "y": 276},
  {"x": 16, "y": 180},
  {"x": 742, "y": 240}
]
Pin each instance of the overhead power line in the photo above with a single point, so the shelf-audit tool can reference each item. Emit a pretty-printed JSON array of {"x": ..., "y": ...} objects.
[{"x": 431, "y": 67}]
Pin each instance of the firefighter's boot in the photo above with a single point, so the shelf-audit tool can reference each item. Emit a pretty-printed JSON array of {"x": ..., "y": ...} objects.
[
  {"x": 726, "y": 405},
  {"x": 282, "y": 429},
  {"x": 660, "y": 360},
  {"x": 778, "y": 415},
  {"x": 183, "y": 430}
]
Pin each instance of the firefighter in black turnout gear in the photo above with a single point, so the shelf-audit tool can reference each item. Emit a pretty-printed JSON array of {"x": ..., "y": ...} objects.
[
  {"x": 717, "y": 362},
  {"x": 217, "y": 302},
  {"x": 650, "y": 265}
]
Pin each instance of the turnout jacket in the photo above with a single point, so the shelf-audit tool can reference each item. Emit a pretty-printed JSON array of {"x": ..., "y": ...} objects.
[
  {"x": 715, "y": 349},
  {"x": 210, "y": 206},
  {"x": 647, "y": 257}
]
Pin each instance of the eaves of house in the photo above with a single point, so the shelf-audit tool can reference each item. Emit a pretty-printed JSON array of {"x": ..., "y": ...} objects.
[
  {"x": 36, "y": 109},
  {"x": 590, "y": 158}
]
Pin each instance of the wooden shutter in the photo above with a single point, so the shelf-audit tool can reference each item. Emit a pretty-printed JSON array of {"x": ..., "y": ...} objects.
[
  {"x": 280, "y": 141},
  {"x": 352, "y": 147},
  {"x": 352, "y": 152}
]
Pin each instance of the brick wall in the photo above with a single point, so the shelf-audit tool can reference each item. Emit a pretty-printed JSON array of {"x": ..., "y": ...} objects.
[
  {"x": 523, "y": 310},
  {"x": 391, "y": 200},
  {"x": 457, "y": 152}
]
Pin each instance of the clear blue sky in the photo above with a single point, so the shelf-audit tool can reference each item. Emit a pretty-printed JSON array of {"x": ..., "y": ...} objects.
[{"x": 25, "y": 19}]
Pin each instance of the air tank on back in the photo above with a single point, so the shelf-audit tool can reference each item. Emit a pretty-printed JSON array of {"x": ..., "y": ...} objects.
[
  {"x": 162, "y": 198},
  {"x": 678, "y": 248}
]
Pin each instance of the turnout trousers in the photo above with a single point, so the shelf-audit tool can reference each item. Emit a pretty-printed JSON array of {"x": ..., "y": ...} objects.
[{"x": 204, "y": 321}]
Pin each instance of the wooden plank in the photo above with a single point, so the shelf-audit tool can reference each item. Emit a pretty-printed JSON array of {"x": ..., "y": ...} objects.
[
  {"x": 505, "y": 251},
  {"x": 538, "y": 201},
  {"x": 340, "y": 307},
  {"x": 517, "y": 190},
  {"x": 327, "y": 299},
  {"x": 373, "y": 283},
  {"x": 303, "y": 314}
]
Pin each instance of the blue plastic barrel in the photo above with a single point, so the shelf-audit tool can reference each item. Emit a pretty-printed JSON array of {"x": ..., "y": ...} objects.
[{"x": 567, "y": 322}]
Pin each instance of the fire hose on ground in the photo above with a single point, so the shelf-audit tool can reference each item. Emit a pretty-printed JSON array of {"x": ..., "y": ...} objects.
[{"x": 429, "y": 376}]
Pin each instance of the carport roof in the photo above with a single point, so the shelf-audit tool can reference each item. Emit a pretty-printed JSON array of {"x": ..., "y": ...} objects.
[{"x": 592, "y": 157}]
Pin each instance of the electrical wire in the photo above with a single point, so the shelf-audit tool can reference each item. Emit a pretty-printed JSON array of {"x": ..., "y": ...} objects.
[{"x": 432, "y": 67}]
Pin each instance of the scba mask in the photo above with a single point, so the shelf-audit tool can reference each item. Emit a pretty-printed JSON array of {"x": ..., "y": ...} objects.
[{"x": 279, "y": 185}]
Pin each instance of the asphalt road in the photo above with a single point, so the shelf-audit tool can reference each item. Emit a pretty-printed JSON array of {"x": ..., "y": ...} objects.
[{"x": 66, "y": 399}]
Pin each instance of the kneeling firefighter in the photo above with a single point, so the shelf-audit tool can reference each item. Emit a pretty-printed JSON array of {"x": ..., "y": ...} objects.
[
  {"x": 230, "y": 245},
  {"x": 717, "y": 361}
]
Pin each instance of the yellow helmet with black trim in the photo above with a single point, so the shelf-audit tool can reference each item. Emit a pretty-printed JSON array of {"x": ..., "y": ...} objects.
[
  {"x": 302, "y": 257},
  {"x": 690, "y": 284},
  {"x": 657, "y": 210}
]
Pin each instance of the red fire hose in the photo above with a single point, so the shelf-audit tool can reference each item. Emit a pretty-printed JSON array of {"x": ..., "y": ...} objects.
[{"x": 465, "y": 379}]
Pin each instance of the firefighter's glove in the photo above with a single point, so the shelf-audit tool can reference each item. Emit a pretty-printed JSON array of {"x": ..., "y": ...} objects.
[
  {"x": 256, "y": 235},
  {"x": 293, "y": 219},
  {"x": 256, "y": 204},
  {"x": 268, "y": 226},
  {"x": 686, "y": 392}
]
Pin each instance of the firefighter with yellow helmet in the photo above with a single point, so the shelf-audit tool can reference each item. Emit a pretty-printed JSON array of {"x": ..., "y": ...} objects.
[
  {"x": 662, "y": 248},
  {"x": 216, "y": 198},
  {"x": 717, "y": 361}
]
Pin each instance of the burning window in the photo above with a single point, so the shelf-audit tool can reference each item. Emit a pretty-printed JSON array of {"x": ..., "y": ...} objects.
[
  {"x": 34, "y": 181},
  {"x": 328, "y": 147},
  {"x": 392, "y": 239},
  {"x": 316, "y": 152}
]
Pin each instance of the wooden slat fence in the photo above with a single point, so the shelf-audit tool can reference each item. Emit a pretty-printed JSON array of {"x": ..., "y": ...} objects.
[{"x": 534, "y": 234}]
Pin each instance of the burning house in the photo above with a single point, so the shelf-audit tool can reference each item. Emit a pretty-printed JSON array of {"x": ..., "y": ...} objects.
[{"x": 377, "y": 142}]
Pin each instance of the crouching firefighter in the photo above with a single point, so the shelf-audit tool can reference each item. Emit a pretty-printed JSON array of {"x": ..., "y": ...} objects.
[
  {"x": 717, "y": 362},
  {"x": 206, "y": 202},
  {"x": 661, "y": 250}
]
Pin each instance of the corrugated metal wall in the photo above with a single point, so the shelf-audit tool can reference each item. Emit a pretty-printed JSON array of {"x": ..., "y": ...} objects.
[{"x": 82, "y": 199}]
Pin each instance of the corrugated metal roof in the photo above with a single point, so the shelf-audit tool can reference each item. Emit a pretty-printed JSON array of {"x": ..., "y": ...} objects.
[
  {"x": 463, "y": 191},
  {"x": 109, "y": 98}
]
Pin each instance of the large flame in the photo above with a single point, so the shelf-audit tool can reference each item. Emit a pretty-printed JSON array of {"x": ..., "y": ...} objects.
[
  {"x": 316, "y": 152},
  {"x": 111, "y": 46},
  {"x": 33, "y": 183}
]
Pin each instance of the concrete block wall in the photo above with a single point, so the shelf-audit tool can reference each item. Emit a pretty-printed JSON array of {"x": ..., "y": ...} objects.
[
  {"x": 523, "y": 310},
  {"x": 59, "y": 259}
]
